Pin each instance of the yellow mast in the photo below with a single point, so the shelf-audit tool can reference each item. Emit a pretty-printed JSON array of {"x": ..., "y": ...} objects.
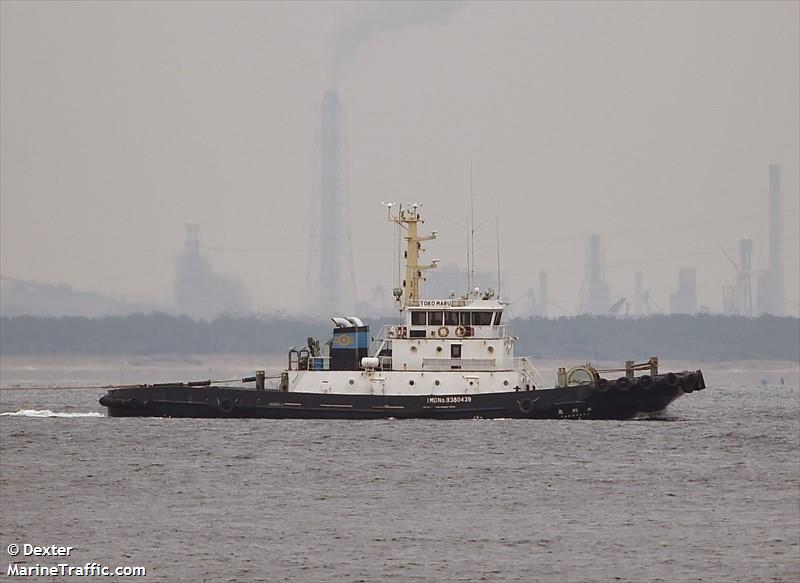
[{"x": 409, "y": 219}]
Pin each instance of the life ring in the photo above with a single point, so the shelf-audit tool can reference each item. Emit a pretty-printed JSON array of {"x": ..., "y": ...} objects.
[
  {"x": 460, "y": 331},
  {"x": 672, "y": 380},
  {"x": 602, "y": 385},
  {"x": 525, "y": 406},
  {"x": 645, "y": 382},
  {"x": 443, "y": 331},
  {"x": 623, "y": 383},
  {"x": 227, "y": 405}
]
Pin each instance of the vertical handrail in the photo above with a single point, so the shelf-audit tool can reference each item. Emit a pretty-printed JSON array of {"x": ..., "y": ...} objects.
[
  {"x": 380, "y": 340},
  {"x": 530, "y": 372}
]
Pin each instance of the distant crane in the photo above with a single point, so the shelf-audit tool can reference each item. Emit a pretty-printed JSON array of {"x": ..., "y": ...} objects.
[
  {"x": 614, "y": 309},
  {"x": 649, "y": 300},
  {"x": 534, "y": 307}
]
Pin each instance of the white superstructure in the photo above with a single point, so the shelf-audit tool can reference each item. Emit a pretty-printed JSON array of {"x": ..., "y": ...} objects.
[{"x": 453, "y": 346}]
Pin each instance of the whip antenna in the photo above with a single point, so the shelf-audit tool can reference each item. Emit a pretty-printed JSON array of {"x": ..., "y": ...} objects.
[{"x": 497, "y": 225}]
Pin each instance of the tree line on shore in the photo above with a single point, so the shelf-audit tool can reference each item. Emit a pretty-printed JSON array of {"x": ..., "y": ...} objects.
[{"x": 682, "y": 337}]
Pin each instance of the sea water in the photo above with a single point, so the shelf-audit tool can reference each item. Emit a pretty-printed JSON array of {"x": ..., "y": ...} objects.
[{"x": 709, "y": 493}]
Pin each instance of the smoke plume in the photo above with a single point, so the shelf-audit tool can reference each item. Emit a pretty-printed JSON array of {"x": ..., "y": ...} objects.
[{"x": 367, "y": 21}]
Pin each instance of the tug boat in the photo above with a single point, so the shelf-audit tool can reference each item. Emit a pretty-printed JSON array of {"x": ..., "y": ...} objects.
[{"x": 447, "y": 358}]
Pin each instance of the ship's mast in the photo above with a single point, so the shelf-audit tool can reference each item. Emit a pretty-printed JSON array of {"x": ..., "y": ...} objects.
[
  {"x": 471, "y": 250},
  {"x": 409, "y": 219}
]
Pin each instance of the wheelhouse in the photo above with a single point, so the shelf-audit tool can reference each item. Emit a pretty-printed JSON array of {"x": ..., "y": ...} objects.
[{"x": 455, "y": 318}]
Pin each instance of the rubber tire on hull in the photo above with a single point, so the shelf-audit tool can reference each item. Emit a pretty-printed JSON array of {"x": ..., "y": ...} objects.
[
  {"x": 227, "y": 405},
  {"x": 525, "y": 406},
  {"x": 181, "y": 401}
]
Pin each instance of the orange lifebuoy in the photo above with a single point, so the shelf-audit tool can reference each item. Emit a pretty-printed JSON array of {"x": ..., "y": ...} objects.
[
  {"x": 460, "y": 331},
  {"x": 443, "y": 331}
]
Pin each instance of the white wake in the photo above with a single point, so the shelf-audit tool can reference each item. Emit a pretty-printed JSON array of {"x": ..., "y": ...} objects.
[{"x": 46, "y": 413}]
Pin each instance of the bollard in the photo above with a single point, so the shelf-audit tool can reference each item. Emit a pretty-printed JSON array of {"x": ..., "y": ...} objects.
[
  {"x": 260, "y": 376},
  {"x": 629, "y": 369},
  {"x": 562, "y": 377}
]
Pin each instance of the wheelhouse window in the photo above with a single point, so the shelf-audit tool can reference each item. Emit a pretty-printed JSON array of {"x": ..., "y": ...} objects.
[
  {"x": 497, "y": 316},
  {"x": 451, "y": 318},
  {"x": 465, "y": 318},
  {"x": 418, "y": 318},
  {"x": 435, "y": 319},
  {"x": 482, "y": 318}
]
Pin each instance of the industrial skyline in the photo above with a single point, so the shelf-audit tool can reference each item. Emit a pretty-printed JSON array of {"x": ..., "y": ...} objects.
[
  {"x": 658, "y": 146},
  {"x": 199, "y": 292}
]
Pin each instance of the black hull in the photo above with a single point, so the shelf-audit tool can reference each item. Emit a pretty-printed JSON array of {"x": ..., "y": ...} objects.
[{"x": 617, "y": 400}]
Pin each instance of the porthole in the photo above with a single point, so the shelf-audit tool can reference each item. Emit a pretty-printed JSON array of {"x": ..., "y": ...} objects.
[
  {"x": 352, "y": 382},
  {"x": 438, "y": 349},
  {"x": 505, "y": 383},
  {"x": 471, "y": 383},
  {"x": 411, "y": 382},
  {"x": 436, "y": 382},
  {"x": 491, "y": 349},
  {"x": 413, "y": 349}
]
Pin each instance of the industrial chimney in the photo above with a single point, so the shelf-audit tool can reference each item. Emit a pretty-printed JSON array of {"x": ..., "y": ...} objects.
[
  {"x": 771, "y": 283},
  {"x": 595, "y": 295},
  {"x": 543, "y": 299},
  {"x": 330, "y": 275}
]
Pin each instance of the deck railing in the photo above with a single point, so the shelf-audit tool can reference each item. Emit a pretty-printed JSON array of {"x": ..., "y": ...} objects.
[
  {"x": 521, "y": 364},
  {"x": 311, "y": 363}
]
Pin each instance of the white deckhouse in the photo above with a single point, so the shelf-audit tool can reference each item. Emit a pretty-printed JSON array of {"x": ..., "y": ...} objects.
[{"x": 457, "y": 346}]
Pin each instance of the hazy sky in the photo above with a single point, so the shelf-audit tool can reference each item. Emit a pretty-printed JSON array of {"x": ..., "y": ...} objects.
[{"x": 650, "y": 123}]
